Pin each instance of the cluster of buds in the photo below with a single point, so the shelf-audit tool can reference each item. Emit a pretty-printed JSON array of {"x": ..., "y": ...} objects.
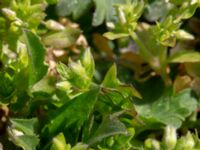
[{"x": 15, "y": 22}]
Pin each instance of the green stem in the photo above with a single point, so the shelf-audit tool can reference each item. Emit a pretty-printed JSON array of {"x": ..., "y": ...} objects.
[{"x": 145, "y": 54}]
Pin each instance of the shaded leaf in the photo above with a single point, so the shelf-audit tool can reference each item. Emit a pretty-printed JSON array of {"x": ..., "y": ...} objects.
[
  {"x": 6, "y": 85},
  {"x": 169, "y": 109},
  {"x": 111, "y": 81},
  {"x": 75, "y": 7},
  {"x": 156, "y": 10},
  {"x": 110, "y": 126},
  {"x": 104, "y": 11},
  {"x": 36, "y": 54}
]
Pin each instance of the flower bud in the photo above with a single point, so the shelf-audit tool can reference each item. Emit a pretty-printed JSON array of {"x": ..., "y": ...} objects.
[
  {"x": 170, "y": 137},
  {"x": 110, "y": 141},
  {"x": 18, "y": 22},
  {"x": 88, "y": 62},
  {"x": 53, "y": 25},
  {"x": 189, "y": 141},
  {"x": 122, "y": 16},
  {"x": 155, "y": 144},
  {"x": 13, "y": 28},
  {"x": 110, "y": 25},
  {"x": 64, "y": 85},
  {"x": 9, "y": 14},
  {"x": 152, "y": 144}
]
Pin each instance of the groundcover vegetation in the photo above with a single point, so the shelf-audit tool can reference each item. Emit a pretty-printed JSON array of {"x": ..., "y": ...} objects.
[{"x": 99, "y": 74}]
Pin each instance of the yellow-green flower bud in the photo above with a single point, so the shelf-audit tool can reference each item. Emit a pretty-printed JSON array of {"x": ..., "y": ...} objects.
[
  {"x": 110, "y": 141},
  {"x": 189, "y": 142},
  {"x": 64, "y": 85},
  {"x": 18, "y": 22},
  {"x": 152, "y": 144},
  {"x": 13, "y": 28}
]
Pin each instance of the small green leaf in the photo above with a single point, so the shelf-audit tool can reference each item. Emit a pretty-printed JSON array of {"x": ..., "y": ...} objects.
[
  {"x": 110, "y": 126},
  {"x": 22, "y": 133},
  {"x": 128, "y": 90},
  {"x": 113, "y": 36},
  {"x": 188, "y": 10},
  {"x": 27, "y": 142},
  {"x": 88, "y": 63},
  {"x": 43, "y": 86},
  {"x": 76, "y": 111},
  {"x": 7, "y": 86},
  {"x": 185, "y": 57},
  {"x": 110, "y": 80},
  {"x": 36, "y": 54},
  {"x": 27, "y": 126}
]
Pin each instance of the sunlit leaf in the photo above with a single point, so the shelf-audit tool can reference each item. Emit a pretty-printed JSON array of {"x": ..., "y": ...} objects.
[
  {"x": 36, "y": 54},
  {"x": 110, "y": 80},
  {"x": 76, "y": 111},
  {"x": 27, "y": 142},
  {"x": 113, "y": 36},
  {"x": 59, "y": 143},
  {"x": 22, "y": 133},
  {"x": 185, "y": 57},
  {"x": 27, "y": 126}
]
